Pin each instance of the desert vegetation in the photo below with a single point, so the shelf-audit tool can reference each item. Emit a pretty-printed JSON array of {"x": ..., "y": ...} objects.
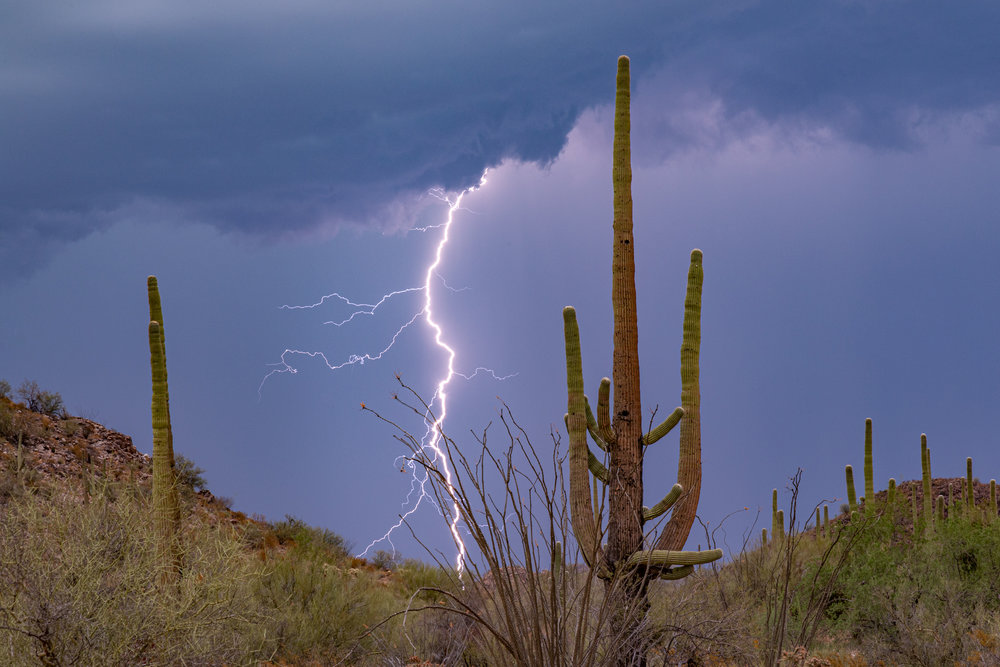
[{"x": 109, "y": 557}]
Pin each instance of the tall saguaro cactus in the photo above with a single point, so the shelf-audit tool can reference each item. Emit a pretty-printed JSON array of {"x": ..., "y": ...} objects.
[
  {"x": 619, "y": 433},
  {"x": 166, "y": 502}
]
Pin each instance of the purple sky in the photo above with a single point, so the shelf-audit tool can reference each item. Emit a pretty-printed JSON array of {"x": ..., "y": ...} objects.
[{"x": 837, "y": 165}]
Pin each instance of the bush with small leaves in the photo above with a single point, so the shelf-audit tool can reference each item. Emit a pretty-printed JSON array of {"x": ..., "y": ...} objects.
[
  {"x": 189, "y": 476},
  {"x": 37, "y": 400},
  {"x": 5, "y": 389}
]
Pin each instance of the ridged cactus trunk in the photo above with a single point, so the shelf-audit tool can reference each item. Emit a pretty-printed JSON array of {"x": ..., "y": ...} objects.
[
  {"x": 618, "y": 432},
  {"x": 166, "y": 501}
]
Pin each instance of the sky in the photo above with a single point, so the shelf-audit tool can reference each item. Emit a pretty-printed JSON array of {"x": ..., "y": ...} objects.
[{"x": 836, "y": 162}]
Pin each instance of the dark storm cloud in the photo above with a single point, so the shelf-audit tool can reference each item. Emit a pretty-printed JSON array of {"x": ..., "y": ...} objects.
[{"x": 270, "y": 118}]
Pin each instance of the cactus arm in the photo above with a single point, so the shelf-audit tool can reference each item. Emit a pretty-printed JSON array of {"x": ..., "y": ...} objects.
[
  {"x": 781, "y": 525},
  {"x": 649, "y": 513},
  {"x": 594, "y": 429},
  {"x": 869, "y": 473},
  {"x": 852, "y": 500},
  {"x": 661, "y": 558},
  {"x": 593, "y": 463},
  {"x": 582, "y": 511},
  {"x": 676, "y": 532},
  {"x": 604, "y": 411},
  {"x": 665, "y": 427},
  {"x": 596, "y": 467}
]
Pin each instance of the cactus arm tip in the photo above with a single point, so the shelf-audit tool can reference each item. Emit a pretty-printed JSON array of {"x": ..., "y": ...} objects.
[
  {"x": 665, "y": 426},
  {"x": 649, "y": 513}
]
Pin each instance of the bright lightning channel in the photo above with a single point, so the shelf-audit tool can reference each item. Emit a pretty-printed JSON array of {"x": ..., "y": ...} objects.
[{"x": 432, "y": 436}]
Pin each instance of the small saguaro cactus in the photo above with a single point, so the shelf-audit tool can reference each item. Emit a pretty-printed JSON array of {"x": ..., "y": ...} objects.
[
  {"x": 620, "y": 435},
  {"x": 925, "y": 464},
  {"x": 852, "y": 501},
  {"x": 869, "y": 473},
  {"x": 166, "y": 502},
  {"x": 940, "y": 508},
  {"x": 993, "y": 500},
  {"x": 774, "y": 513},
  {"x": 970, "y": 493}
]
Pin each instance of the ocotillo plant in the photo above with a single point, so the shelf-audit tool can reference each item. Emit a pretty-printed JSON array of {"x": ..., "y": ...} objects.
[
  {"x": 166, "y": 503},
  {"x": 621, "y": 436}
]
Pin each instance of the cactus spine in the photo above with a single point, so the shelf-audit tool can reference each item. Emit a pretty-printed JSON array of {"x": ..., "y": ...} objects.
[
  {"x": 166, "y": 503},
  {"x": 620, "y": 434}
]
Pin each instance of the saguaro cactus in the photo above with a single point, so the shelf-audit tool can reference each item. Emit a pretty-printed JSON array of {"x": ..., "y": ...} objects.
[
  {"x": 619, "y": 433},
  {"x": 970, "y": 493},
  {"x": 852, "y": 501},
  {"x": 869, "y": 473},
  {"x": 925, "y": 464},
  {"x": 166, "y": 503}
]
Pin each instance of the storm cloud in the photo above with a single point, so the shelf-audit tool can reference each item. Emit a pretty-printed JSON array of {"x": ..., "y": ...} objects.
[{"x": 273, "y": 119}]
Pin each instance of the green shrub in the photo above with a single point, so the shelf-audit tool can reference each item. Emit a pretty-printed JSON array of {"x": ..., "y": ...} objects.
[
  {"x": 190, "y": 477},
  {"x": 5, "y": 389}
]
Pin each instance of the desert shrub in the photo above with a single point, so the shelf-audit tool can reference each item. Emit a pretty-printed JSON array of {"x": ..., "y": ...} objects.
[
  {"x": 37, "y": 400},
  {"x": 925, "y": 600},
  {"x": 5, "y": 389},
  {"x": 384, "y": 560},
  {"x": 78, "y": 585},
  {"x": 190, "y": 478},
  {"x": 321, "y": 607}
]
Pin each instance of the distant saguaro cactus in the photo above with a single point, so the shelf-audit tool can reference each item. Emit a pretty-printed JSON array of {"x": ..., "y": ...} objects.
[
  {"x": 166, "y": 501},
  {"x": 925, "y": 464},
  {"x": 852, "y": 500},
  {"x": 621, "y": 436},
  {"x": 970, "y": 493},
  {"x": 869, "y": 472}
]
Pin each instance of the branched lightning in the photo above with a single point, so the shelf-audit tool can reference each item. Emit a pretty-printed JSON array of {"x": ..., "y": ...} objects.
[{"x": 431, "y": 441}]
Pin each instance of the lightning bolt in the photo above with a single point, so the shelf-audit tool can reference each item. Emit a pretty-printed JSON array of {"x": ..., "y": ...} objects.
[{"x": 431, "y": 441}]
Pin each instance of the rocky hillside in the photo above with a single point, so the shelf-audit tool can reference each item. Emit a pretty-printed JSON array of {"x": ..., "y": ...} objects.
[{"x": 73, "y": 455}]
